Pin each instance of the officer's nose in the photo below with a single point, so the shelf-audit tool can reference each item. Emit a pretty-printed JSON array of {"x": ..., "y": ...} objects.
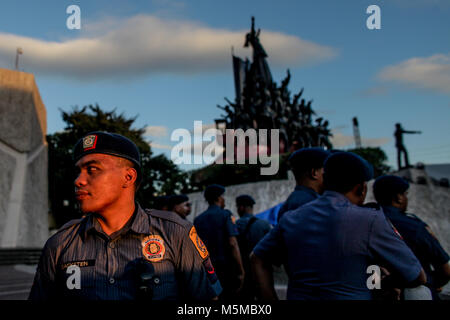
[{"x": 80, "y": 180}]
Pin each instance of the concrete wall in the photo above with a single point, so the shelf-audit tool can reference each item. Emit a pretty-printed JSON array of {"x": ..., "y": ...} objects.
[
  {"x": 23, "y": 162},
  {"x": 430, "y": 203}
]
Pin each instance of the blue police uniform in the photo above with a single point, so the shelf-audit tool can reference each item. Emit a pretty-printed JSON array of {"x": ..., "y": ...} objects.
[
  {"x": 258, "y": 229},
  {"x": 300, "y": 196},
  {"x": 152, "y": 242},
  {"x": 424, "y": 245},
  {"x": 330, "y": 243},
  {"x": 215, "y": 226}
]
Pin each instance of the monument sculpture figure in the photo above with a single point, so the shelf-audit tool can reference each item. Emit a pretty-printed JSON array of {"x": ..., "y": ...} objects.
[
  {"x": 261, "y": 104},
  {"x": 398, "y": 134}
]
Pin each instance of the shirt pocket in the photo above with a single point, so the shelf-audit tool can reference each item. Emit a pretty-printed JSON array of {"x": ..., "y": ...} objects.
[{"x": 77, "y": 281}]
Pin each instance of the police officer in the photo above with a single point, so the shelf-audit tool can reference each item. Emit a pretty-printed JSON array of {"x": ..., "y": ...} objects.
[
  {"x": 331, "y": 241},
  {"x": 118, "y": 250},
  {"x": 216, "y": 226},
  {"x": 179, "y": 203},
  {"x": 251, "y": 230},
  {"x": 161, "y": 203},
  {"x": 307, "y": 166},
  {"x": 391, "y": 192}
]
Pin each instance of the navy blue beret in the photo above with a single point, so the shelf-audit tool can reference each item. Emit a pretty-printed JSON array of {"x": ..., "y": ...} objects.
[
  {"x": 386, "y": 187},
  {"x": 344, "y": 170},
  {"x": 308, "y": 158},
  {"x": 213, "y": 191},
  {"x": 107, "y": 143},
  {"x": 245, "y": 200},
  {"x": 177, "y": 199},
  {"x": 160, "y": 202}
]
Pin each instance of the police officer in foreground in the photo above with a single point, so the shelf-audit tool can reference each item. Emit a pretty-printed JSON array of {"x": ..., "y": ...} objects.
[
  {"x": 307, "y": 166},
  {"x": 331, "y": 241},
  {"x": 216, "y": 226},
  {"x": 179, "y": 203},
  {"x": 251, "y": 231},
  {"x": 391, "y": 192},
  {"x": 118, "y": 250}
]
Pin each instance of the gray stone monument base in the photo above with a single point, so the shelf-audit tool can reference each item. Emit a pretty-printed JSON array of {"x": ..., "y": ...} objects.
[{"x": 23, "y": 162}]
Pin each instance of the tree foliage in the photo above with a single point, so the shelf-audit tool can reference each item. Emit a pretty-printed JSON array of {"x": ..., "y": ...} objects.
[
  {"x": 160, "y": 175},
  {"x": 376, "y": 157}
]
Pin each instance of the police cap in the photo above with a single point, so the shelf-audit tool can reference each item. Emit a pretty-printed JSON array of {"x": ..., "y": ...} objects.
[
  {"x": 387, "y": 187},
  {"x": 245, "y": 200},
  {"x": 107, "y": 143},
  {"x": 306, "y": 159},
  {"x": 161, "y": 202},
  {"x": 212, "y": 192},
  {"x": 344, "y": 170},
  {"x": 177, "y": 199}
]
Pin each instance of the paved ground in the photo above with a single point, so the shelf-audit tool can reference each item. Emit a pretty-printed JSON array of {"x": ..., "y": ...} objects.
[{"x": 15, "y": 281}]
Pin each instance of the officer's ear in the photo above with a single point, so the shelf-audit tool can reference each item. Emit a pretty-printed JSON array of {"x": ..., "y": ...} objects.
[
  {"x": 130, "y": 177},
  {"x": 316, "y": 173},
  {"x": 361, "y": 191}
]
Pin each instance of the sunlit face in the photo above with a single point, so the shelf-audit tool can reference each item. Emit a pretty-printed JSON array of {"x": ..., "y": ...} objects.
[
  {"x": 183, "y": 209},
  {"x": 99, "y": 182}
]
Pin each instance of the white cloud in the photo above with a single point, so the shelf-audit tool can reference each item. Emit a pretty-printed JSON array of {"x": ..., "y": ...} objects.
[
  {"x": 156, "y": 145},
  {"x": 145, "y": 44},
  {"x": 340, "y": 140},
  {"x": 155, "y": 131},
  {"x": 431, "y": 73}
]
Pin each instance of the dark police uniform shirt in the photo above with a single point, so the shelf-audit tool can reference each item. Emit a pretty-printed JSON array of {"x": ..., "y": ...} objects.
[
  {"x": 108, "y": 264},
  {"x": 424, "y": 245},
  {"x": 330, "y": 243},
  {"x": 215, "y": 226},
  {"x": 297, "y": 198},
  {"x": 257, "y": 230}
]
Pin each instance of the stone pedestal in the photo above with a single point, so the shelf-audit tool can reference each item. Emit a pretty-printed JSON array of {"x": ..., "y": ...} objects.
[{"x": 23, "y": 162}]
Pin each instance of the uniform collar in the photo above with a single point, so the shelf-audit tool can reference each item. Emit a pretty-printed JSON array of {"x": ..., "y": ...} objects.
[
  {"x": 140, "y": 222},
  {"x": 336, "y": 196},
  {"x": 214, "y": 207},
  {"x": 392, "y": 210},
  {"x": 307, "y": 190},
  {"x": 247, "y": 215}
]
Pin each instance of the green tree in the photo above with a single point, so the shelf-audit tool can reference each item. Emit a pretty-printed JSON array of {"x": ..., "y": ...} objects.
[
  {"x": 160, "y": 175},
  {"x": 376, "y": 157}
]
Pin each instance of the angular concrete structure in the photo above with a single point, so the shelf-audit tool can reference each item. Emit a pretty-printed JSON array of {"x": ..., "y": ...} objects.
[{"x": 23, "y": 162}]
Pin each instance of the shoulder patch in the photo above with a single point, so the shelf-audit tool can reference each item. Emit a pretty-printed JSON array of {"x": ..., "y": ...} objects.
[
  {"x": 153, "y": 248},
  {"x": 198, "y": 243},
  {"x": 233, "y": 219}
]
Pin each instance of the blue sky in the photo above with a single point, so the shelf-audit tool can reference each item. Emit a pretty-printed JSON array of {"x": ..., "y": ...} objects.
[{"x": 169, "y": 62}]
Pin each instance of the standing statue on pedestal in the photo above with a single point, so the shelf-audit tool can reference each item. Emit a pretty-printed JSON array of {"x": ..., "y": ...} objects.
[
  {"x": 261, "y": 103},
  {"x": 398, "y": 134}
]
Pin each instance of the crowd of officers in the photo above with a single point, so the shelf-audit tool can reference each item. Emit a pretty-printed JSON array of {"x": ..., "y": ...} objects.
[{"x": 326, "y": 237}]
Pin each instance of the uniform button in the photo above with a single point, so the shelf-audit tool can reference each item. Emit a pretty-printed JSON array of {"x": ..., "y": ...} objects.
[
  {"x": 112, "y": 281},
  {"x": 112, "y": 245},
  {"x": 156, "y": 280}
]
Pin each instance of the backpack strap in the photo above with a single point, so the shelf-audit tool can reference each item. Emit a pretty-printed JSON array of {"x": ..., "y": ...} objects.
[{"x": 249, "y": 224}]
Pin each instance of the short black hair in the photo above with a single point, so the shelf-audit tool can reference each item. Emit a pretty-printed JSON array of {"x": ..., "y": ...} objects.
[
  {"x": 213, "y": 192},
  {"x": 304, "y": 160},
  {"x": 344, "y": 170},
  {"x": 245, "y": 200}
]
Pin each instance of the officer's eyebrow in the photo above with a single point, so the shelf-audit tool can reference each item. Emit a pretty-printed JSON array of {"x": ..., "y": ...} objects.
[{"x": 88, "y": 163}]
